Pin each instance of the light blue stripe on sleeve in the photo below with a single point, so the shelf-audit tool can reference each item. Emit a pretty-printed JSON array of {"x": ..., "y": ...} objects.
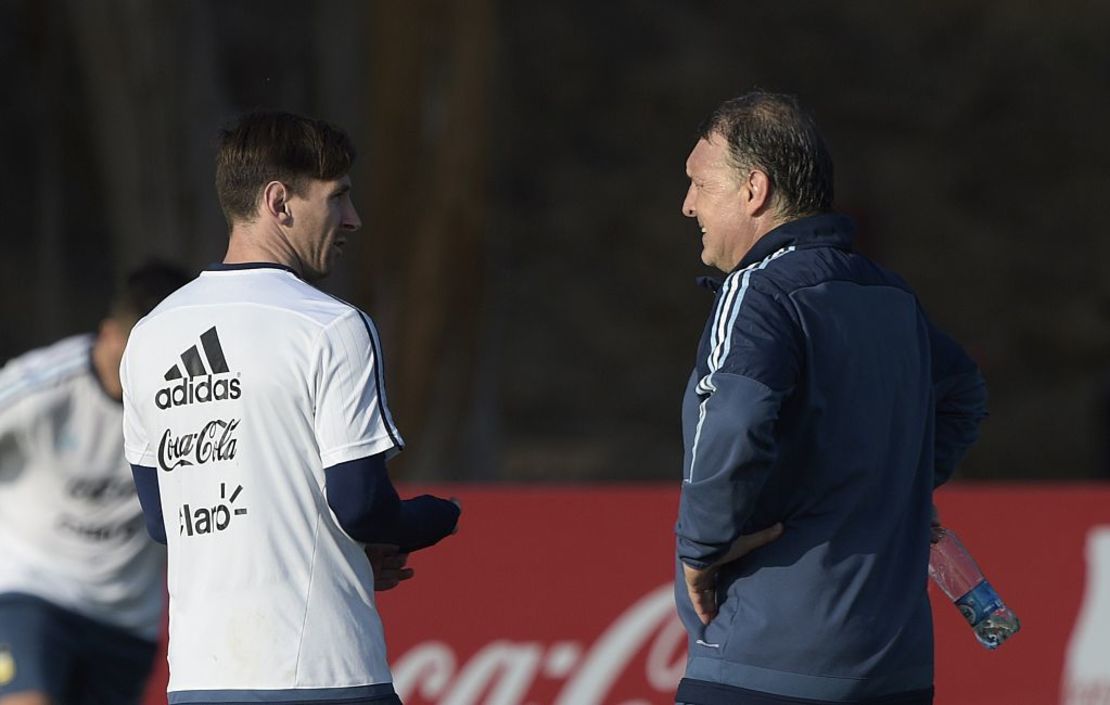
[{"x": 729, "y": 307}]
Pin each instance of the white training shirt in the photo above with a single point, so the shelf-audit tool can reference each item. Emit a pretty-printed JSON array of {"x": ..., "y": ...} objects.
[
  {"x": 240, "y": 388},
  {"x": 71, "y": 529}
]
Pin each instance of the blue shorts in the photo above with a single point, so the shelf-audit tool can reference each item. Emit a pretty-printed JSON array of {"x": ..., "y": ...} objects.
[{"x": 71, "y": 658}]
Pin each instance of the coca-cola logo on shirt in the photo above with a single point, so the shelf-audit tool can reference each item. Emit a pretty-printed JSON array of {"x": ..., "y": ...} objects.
[{"x": 215, "y": 441}]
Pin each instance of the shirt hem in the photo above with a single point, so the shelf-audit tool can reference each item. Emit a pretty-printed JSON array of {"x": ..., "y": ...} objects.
[{"x": 351, "y": 695}]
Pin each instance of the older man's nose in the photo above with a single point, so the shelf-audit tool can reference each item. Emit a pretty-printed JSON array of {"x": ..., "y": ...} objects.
[{"x": 688, "y": 203}]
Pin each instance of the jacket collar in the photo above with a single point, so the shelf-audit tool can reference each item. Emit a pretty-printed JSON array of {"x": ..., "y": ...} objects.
[{"x": 824, "y": 230}]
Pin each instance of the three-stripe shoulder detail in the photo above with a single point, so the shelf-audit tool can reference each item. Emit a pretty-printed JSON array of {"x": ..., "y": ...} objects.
[
  {"x": 729, "y": 303},
  {"x": 45, "y": 368},
  {"x": 379, "y": 369},
  {"x": 379, "y": 379}
]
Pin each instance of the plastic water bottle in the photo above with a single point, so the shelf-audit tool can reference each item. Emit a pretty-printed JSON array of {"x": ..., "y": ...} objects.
[{"x": 955, "y": 572}]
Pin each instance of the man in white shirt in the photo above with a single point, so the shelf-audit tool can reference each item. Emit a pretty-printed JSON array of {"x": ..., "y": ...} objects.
[
  {"x": 81, "y": 584},
  {"x": 256, "y": 424}
]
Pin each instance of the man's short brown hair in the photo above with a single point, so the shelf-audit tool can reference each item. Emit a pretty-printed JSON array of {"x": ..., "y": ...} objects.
[
  {"x": 772, "y": 132},
  {"x": 144, "y": 288},
  {"x": 261, "y": 147}
]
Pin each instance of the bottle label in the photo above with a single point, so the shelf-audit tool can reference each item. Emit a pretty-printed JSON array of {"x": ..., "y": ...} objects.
[{"x": 979, "y": 603}]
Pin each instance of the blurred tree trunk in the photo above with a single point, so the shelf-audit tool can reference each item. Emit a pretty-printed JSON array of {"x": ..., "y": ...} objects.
[
  {"x": 152, "y": 95},
  {"x": 431, "y": 64},
  {"x": 341, "y": 98},
  {"x": 51, "y": 186}
]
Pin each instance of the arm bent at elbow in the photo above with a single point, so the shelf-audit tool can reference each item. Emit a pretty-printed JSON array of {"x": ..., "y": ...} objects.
[
  {"x": 732, "y": 457},
  {"x": 960, "y": 407},
  {"x": 367, "y": 507}
]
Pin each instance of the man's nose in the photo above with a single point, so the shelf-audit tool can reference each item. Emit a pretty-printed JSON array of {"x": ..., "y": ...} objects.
[
  {"x": 688, "y": 203},
  {"x": 352, "y": 221}
]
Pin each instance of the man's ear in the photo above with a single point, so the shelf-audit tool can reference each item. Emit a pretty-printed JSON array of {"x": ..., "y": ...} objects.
[
  {"x": 275, "y": 202},
  {"x": 755, "y": 192}
]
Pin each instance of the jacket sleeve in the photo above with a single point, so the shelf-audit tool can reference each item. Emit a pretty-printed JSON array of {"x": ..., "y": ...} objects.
[
  {"x": 750, "y": 367},
  {"x": 960, "y": 403}
]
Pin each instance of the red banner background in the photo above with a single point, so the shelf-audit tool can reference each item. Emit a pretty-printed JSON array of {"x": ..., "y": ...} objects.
[{"x": 561, "y": 596}]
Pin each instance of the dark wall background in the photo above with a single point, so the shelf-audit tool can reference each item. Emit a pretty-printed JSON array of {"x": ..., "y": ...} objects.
[{"x": 520, "y": 183}]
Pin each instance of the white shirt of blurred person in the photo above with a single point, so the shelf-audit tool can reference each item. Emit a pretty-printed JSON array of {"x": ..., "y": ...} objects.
[
  {"x": 81, "y": 584},
  {"x": 257, "y": 426}
]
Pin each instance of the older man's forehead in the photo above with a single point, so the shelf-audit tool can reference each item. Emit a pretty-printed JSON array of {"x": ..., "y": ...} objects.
[{"x": 707, "y": 153}]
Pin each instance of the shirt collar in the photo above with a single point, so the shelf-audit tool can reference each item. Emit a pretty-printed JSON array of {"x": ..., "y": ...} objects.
[
  {"x": 237, "y": 266},
  {"x": 824, "y": 230}
]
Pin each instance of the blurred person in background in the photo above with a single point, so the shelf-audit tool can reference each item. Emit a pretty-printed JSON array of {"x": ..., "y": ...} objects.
[
  {"x": 257, "y": 426},
  {"x": 823, "y": 410},
  {"x": 81, "y": 584}
]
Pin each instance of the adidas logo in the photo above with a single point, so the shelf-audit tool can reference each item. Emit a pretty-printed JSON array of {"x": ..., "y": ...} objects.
[{"x": 203, "y": 384}]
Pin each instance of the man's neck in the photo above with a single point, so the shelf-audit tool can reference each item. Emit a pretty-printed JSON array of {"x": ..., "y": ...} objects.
[
  {"x": 249, "y": 244},
  {"x": 103, "y": 368},
  {"x": 769, "y": 223},
  {"x": 762, "y": 227}
]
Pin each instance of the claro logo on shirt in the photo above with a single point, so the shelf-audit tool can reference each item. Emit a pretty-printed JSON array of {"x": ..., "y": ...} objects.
[
  {"x": 199, "y": 384},
  {"x": 194, "y": 521}
]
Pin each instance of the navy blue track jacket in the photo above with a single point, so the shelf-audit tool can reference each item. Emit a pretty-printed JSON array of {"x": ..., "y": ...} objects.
[{"x": 823, "y": 398}]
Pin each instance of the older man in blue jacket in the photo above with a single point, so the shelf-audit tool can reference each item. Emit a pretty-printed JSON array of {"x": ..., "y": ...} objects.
[{"x": 823, "y": 410}]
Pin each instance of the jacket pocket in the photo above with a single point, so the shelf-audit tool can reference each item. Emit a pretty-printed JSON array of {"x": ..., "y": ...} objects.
[{"x": 714, "y": 636}]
